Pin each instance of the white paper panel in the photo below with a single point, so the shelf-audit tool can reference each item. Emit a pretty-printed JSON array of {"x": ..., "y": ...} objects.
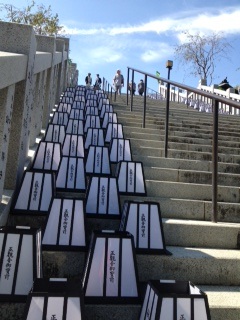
[
  {"x": 128, "y": 280},
  {"x": 36, "y": 191},
  {"x": 72, "y": 168},
  {"x": 103, "y": 196},
  {"x": 66, "y": 220},
  {"x": 144, "y": 306},
  {"x": 98, "y": 160},
  {"x": 96, "y": 274},
  {"x": 22, "y": 201},
  {"x": 200, "y": 312},
  {"x": 150, "y": 315},
  {"x": 39, "y": 160},
  {"x": 154, "y": 308},
  {"x": 73, "y": 146},
  {"x": 61, "y": 177},
  {"x": 166, "y": 309},
  {"x": 80, "y": 146},
  {"x": 51, "y": 231},
  {"x": 48, "y": 156},
  {"x": 35, "y": 311},
  {"x": 46, "y": 192},
  {"x": 57, "y": 157},
  {"x": 1, "y": 242},
  {"x": 55, "y": 133},
  {"x": 184, "y": 308},
  {"x": 78, "y": 233},
  {"x": 131, "y": 177},
  {"x": 25, "y": 268},
  {"x": 139, "y": 181},
  {"x": 113, "y": 198},
  {"x": 122, "y": 177},
  {"x": 55, "y": 308},
  {"x": 80, "y": 182},
  {"x": 112, "y": 267},
  {"x": 156, "y": 239},
  {"x": 106, "y": 162},
  {"x": 132, "y": 221},
  {"x": 73, "y": 309},
  {"x": 143, "y": 226},
  {"x": 66, "y": 145},
  {"x": 9, "y": 263},
  {"x": 90, "y": 159},
  {"x": 91, "y": 206}
]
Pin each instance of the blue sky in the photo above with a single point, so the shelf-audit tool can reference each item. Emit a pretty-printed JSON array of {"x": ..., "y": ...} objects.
[{"x": 107, "y": 35}]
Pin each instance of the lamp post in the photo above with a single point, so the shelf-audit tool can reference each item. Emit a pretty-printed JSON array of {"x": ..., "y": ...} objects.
[{"x": 169, "y": 65}]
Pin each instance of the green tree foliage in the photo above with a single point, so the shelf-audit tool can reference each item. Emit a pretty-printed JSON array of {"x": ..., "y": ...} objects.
[
  {"x": 40, "y": 17},
  {"x": 201, "y": 53}
]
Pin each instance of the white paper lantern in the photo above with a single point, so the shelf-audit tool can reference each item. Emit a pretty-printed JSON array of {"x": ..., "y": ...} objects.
[
  {"x": 75, "y": 126},
  {"x": 35, "y": 193},
  {"x": 111, "y": 274},
  {"x": 60, "y": 118},
  {"x": 174, "y": 300},
  {"x": 92, "y": 122},
  {"x": 95, "y": 137},
  {"x": 73, "y": 145},
  {"x": 98, "y": 162},
  {"x": 102, "y": 198},
  {"x": 20, "y": 261},
  {"x": 71, "y": 175},
  {"x": 53, "y": 299},
  {"x": 55, "y": 133},
  {"x": 131, "y": 178},
  {"x": 114, "y": 130},
  {"x": 48, "y": 156},
  {"x": 65, "y": 227},
  {"x": 120, "y": 150},
  {"x": 143, "y": 220}
]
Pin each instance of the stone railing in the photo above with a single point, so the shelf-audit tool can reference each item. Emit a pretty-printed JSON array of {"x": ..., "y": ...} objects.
[{"x": 35, "y": 70}]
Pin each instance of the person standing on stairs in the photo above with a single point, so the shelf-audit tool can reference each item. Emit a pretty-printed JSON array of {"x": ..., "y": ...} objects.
[
  {"x": 118, "y": 81},
  {"x": 88, "y": 79}
]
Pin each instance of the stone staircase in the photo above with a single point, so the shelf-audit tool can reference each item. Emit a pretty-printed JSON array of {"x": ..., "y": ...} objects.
[{"x": 203, "y": 252}]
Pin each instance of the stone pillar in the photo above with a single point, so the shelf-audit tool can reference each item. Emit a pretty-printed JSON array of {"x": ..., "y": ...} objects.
[
  {"x": 6, "y": 109},
  {"x": 20, "y": 39},
  {"x": 60, "y": 47},
  {"x": 48, "y": 44}
]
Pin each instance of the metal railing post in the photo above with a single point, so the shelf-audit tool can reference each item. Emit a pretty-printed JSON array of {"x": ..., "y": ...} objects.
[
  {"x": 127, "y": 84},
  {"x": 167, "y": 117},
  {"x": 144, "y": 101},
  {"x": 215, "y": 162},
  {"x": 131, "y": 92}
]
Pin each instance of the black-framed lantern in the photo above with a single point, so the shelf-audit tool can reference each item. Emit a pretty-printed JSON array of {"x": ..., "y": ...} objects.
[
  {"x": 174, "y": 300},
  {"x": 94, "y": 137},
  {"x": 55, "y": 133},
  {"x": 111, "y": 274},
  {"x": 130, "y": 177},
  {"x": 75, "y": 126},
  {"x": 60, "y": 118},
  {"x": 98, "y": 162},
  {"x": 65, "y": 226},
  {"x": 102, "y": 198},
  {"x": 73, "y": 145},
  {"x": 71, "y": 175},
  {"x": 114, "y": 130},
  {"x": 120, "y": 150},
  {"x": 143, "y": 220},
  {"x": 48, "y": 156},
  {"x": 20, "y": 261},
  {"x": 35, "y": 193},
  {"x": 53, "y": 299}
]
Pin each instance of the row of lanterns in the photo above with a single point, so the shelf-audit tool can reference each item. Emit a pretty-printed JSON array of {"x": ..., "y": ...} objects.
[{"x": 83, "y": 143}]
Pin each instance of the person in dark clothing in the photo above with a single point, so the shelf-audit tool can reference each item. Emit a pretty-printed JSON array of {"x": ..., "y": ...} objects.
[
  {"x": 141, "y": 87},
  {"x": 88, "y": 79}
]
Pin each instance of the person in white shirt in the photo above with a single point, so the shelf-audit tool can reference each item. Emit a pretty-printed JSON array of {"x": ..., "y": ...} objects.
[{"x": 118, "y": 81}]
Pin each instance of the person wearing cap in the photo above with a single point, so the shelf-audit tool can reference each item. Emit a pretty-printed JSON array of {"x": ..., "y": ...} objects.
[
  {"x": 98, "y": 82},
  {"x": 141, "y": 87},
  {"x": 118, "y": 81},
  {"x": 88, "y": 79}
]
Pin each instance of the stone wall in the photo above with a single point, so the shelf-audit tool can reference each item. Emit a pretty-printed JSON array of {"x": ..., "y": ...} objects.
[{"x": 35, "y": 70}]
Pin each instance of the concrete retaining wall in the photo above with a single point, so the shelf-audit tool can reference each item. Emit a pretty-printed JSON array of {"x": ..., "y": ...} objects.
[{"x": 35, "y": 70}]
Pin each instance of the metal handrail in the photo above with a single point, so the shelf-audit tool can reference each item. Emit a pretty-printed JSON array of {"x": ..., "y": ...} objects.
[
  {"x": 107, "y": 87},
  {"x": 215, "y": 106}
]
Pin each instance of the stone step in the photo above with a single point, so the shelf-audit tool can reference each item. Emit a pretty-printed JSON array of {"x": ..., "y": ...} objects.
[
  {"x": 194, "y": 209},
  {"x": 184, "y": 154},
  {"x": 185, "y": 164},
  {"x": 187, "y": 176},
  {"x": 139, "y": 142},
  {"x": 180, "y": 190},
  {"x": 178, "y": 136}
]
